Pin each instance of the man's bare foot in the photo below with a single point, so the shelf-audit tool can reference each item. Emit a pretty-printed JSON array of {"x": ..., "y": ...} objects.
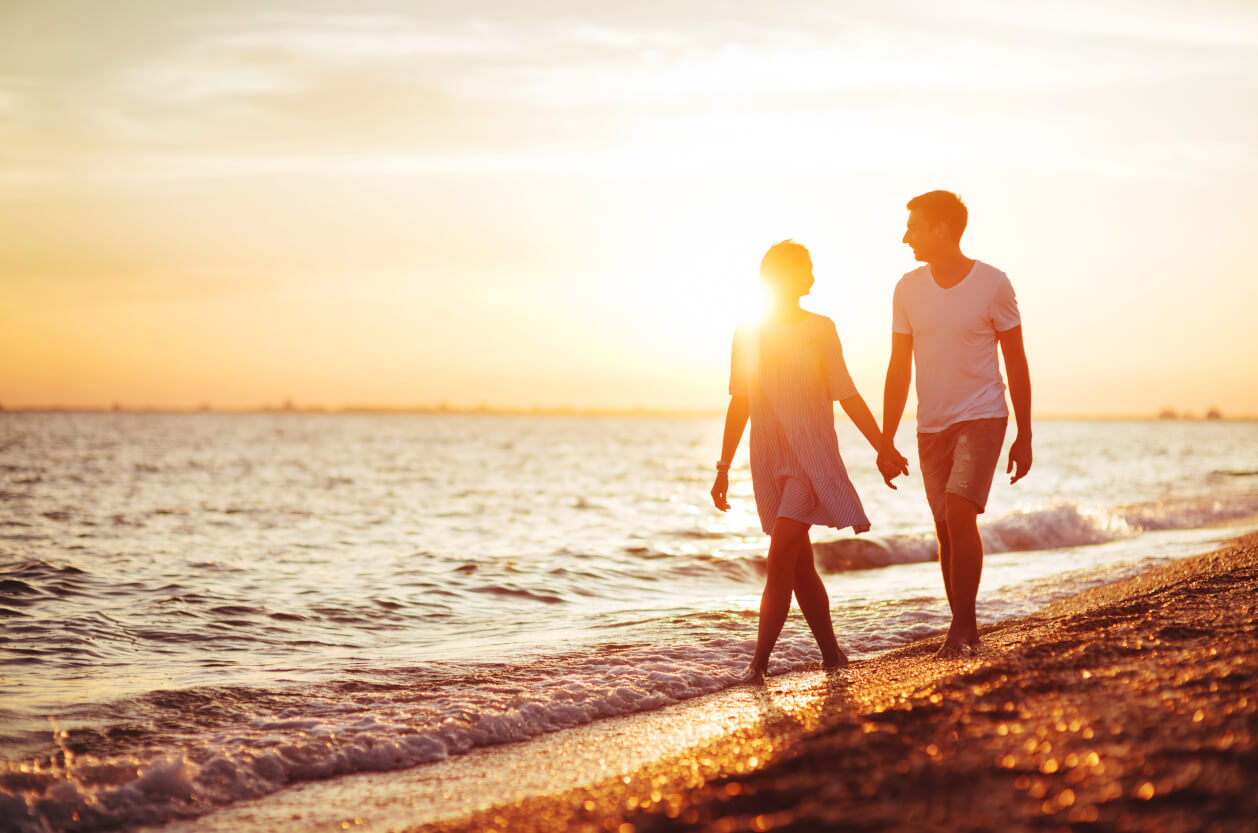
[
  {"x": 954, "y": 647},
  {"x": 834, "y": 663}
]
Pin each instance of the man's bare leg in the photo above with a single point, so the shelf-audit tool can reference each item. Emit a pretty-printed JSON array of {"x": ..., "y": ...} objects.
[
  {"x": 945, "y": 557},
  {"x": 775, "y": 602},
  {"x": 962, "y": 573},
  {"x": 814, "y": 601}
]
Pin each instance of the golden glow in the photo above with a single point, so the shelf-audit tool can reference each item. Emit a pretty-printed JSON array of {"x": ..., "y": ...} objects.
[{"x": 519, "y": 209}]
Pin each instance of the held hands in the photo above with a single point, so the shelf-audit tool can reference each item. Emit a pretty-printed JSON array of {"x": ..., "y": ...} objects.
[
  {"x": 891, "y": 464},
  {"x": 1019, "y": 458},
  {"x": 720, "y": 489}
]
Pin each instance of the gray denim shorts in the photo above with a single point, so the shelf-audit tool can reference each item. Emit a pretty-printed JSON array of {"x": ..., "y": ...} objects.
[{"x": 961, "y": 459}]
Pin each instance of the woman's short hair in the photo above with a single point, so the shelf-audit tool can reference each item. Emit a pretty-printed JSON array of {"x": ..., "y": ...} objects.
[{"x": 785, "y": 258}]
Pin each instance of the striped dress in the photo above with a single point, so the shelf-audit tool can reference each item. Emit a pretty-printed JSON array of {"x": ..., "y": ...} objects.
[{"x": 791, "y": 374}]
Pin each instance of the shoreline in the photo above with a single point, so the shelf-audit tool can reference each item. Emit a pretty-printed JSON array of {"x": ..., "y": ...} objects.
[
  {"x": 1132, "y": 706},
  {"x": 900, "y": 741}
]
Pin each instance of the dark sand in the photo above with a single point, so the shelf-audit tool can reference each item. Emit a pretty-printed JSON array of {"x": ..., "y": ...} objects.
[{"x": 1133, "y": 707}]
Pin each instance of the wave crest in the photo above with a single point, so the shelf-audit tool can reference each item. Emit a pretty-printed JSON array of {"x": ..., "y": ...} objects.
[{"x": 1049, "y": 528}]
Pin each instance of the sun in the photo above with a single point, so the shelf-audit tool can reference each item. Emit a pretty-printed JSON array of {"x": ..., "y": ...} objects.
[{"x": 698, "y": 280}]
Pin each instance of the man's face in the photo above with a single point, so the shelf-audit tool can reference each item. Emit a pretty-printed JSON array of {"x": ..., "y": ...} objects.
[{"x": 922, "y": 236}]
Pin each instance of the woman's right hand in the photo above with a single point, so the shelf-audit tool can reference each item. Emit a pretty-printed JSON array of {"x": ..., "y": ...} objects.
[{"x": 720, "y": 489}]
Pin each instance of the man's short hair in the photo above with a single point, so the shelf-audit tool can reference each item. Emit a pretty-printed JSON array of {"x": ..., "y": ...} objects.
[
  {"x": 785, "y": 258},
  {"x": 942, "y": 207}
]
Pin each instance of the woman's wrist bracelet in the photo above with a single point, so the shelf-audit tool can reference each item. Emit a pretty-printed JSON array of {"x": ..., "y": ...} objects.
[{"x": 722, "y": 465}]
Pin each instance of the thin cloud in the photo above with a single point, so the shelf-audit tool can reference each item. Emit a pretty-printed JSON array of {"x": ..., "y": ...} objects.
[
  {"x": 351, "y": 94},
  {"x": 1206, "y": 25}
]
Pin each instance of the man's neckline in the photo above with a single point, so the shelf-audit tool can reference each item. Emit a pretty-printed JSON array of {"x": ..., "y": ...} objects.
[{"x": 931, "y": 272}]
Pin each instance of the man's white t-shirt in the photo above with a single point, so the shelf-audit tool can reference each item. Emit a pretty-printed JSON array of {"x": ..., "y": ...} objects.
[{"x": 954, "y": 343}]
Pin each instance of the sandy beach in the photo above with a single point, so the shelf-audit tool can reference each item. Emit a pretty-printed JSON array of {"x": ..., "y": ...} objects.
[{"x": 1131, "y": 707}]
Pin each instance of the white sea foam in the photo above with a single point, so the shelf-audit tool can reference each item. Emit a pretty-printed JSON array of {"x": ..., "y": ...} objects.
[
  {"x": 1056, "y": 526},
  {"x": 379, "y": 733}
]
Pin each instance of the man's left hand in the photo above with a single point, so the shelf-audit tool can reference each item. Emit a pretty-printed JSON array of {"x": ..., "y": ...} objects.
[{"x": 1019, "y": 459}]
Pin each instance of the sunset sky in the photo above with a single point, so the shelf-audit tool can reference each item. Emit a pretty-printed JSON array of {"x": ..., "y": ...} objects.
[{"x": 565, "y": 203}]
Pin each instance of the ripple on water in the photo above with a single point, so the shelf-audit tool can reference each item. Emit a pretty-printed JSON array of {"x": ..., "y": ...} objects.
[
  {"x": 15, "y": 587},
  {"x": 517, "y": 592}
]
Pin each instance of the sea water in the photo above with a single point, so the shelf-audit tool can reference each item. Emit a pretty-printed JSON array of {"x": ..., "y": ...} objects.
[{"x": 202, "y": 608}]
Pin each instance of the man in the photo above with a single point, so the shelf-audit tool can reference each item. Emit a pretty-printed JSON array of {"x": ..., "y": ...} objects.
[{"x": 947, "y": 317}]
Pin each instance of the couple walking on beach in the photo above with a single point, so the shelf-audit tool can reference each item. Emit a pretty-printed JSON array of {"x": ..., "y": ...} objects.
[{"x": 948, "y": 317}]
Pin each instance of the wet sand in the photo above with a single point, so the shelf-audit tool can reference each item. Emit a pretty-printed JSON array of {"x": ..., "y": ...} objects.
[{"x": 1133, "y": 707}]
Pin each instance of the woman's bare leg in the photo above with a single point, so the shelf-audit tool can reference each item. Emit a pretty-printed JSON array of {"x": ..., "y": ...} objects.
[
  {"x": 814, "y": 601},
  {"x": 784, "y": 550}
]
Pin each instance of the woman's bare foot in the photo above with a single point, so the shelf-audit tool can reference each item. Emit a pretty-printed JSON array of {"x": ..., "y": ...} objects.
[{"x": 752, "y": 676}]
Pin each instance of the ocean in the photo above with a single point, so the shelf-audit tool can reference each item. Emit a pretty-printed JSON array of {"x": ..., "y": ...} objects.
[{"x": 199, "y": 609}]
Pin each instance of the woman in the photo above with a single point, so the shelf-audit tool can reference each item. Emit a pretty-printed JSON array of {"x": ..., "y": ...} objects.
[{"x": 784, "y": 375}]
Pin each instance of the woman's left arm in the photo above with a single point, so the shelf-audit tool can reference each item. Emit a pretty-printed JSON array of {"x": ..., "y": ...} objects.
[
  {"x": 858, "y": 412},
  {"x": 840, "y": 386}
]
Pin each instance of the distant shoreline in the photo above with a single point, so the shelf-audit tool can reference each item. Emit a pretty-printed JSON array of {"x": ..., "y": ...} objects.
[
  {"x": 375, "y": 411},
  {"x": 423, "y": 410}
]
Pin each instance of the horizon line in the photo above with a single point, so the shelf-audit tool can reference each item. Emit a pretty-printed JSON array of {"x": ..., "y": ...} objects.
[{"x": 1164, "y": 415}]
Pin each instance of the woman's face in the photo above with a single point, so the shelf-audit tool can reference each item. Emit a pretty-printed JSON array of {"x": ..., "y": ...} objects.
[{"x": 791, "y": 285}]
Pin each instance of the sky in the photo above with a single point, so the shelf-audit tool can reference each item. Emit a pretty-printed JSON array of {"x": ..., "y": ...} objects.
[{"x": 564, "y": 204}]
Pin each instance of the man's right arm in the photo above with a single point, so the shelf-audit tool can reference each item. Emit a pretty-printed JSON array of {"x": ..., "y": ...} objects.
[{"x": 895, "y": 396}]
